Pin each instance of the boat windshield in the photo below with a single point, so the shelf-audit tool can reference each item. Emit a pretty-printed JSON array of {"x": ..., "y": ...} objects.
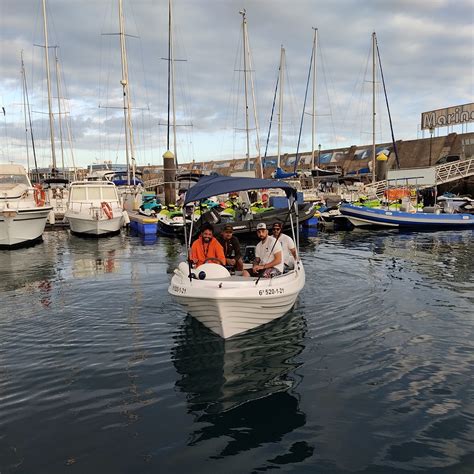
[
  {"x": 94, "y": 193},
  {"x": 14, "y": 179}
]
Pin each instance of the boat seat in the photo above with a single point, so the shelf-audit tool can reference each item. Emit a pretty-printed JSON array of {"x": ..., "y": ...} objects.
[{"x": 211, "y": 271}]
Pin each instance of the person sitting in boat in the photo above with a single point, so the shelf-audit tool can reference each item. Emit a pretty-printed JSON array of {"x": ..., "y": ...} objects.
[
  {"x": 288, "y": 246},
  {"x": 231, "y": 245},
  {"x": 268, "y": 252},
  {"x": 206, "y": 248}
]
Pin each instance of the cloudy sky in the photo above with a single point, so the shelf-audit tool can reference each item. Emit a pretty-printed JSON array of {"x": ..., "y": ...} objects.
[{"x": 426, "y": 48}]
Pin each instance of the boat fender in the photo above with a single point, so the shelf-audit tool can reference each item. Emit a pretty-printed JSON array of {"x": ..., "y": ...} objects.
[
  {"x": 126, "y": 218},
  {"x": 51, "y": 218},
  {"x": 202, "y": 275}
]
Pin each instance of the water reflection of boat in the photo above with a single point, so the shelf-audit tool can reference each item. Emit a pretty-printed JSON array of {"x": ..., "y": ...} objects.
[
  {"x": 237, "y": 388},
  {"x": 94, "y": 257},
  {"x": 84, "y": 267}
]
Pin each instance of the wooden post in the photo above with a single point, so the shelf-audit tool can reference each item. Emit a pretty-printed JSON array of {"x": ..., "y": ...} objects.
[{"x": 169, "y": 174}]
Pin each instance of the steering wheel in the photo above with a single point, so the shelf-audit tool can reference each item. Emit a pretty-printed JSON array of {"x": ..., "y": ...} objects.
[{"x": 213, "y": 259}]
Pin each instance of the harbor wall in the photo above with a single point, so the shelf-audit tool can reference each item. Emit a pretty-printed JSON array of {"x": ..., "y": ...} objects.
[{"x": 355, "y": 160}]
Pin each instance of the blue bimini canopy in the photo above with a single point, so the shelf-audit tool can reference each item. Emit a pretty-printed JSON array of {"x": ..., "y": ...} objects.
[{"x": 215, "y": 184}]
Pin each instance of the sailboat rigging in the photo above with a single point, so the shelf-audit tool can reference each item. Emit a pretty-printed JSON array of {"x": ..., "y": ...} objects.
[
  {"x": 28, "y": 121},
  {"x": 249, "y": 78},
  {"x": 129, "y": 143},
  {"x": 48, "y": 82}
]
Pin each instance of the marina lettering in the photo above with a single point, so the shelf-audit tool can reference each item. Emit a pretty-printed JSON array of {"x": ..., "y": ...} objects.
[{"x": 450, "y": 116}]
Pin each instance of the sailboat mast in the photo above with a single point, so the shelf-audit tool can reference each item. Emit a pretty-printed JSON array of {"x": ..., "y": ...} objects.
[
  {"x": 48, "y": 81},
  {"x": 373, "y": 107},
  {"x": 280, "y": 102},
  {"x": 313, "y": 114},
  {"x": 27, "y": 106},
  {"x": 59, "y": 107},
  {"x": 171, "y": 70},
  {"x": 129, "y": 145},
  {"x": 254, "y": 103},
  {"x": 24, "y": 112},
  {"x": 68, "y": 128},
  {"x": 244, "y": 33}
]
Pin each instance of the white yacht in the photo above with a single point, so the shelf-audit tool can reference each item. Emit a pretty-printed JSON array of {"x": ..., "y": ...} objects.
[
  {"x": 23, "y": 212},
  {"x": 94, "y": 208}
]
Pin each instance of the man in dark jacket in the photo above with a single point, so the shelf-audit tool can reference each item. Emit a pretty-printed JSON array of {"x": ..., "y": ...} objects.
[{"x": 231, "y": 247}]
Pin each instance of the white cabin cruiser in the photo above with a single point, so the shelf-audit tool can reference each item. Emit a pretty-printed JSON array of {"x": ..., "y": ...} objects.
[
  {"x": 232, "y": 304},
  {"x": 94, "y": 208},
  {"x": 23, "y": 212}
]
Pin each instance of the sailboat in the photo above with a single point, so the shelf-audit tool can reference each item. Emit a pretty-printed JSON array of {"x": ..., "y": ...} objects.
[
  {"x": 55, "y": 187},
  {"x": 249, "y": 78},
  {"x": 408, "y": 216},
  {"x": 279, "y": 173},
  {"x": 131, "y": 192},
  {"x": 171, "y": 221}
]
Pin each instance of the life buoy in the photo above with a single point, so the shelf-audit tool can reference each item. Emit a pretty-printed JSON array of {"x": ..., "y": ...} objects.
[
  {"x": 107, "y": 208},
  {"x": 39, "y": 195}
]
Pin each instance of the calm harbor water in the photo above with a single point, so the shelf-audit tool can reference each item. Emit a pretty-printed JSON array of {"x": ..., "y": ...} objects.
[{"x": 372, "y": 372}]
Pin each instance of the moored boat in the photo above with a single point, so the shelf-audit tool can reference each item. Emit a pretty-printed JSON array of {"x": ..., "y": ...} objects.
[
  {"x": 94, "y": 208},
  {"x": 23, "y": 212},
  {"x": 365, "y": 217}
]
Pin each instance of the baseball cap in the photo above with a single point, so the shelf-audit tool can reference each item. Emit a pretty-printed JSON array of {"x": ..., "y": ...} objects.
[
  {"x": 228, "y": 228},
  {"x": 276, "y": 225},
  {"x": 261, "y": 225}
]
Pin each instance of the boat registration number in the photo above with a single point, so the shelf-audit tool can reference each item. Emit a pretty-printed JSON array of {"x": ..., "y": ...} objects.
[
  {"x": 271, "y": 291},
  {"x": 179, "y": 289}
]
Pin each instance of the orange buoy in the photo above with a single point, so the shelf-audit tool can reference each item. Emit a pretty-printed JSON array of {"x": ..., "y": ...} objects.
[
  {"x": 39, "y": 195},
  {"x": 107, "y": 208}
]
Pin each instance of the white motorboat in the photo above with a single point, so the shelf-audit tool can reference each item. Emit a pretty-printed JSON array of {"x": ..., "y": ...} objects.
[
  {"x": 94, "y": 208},
  {"x": 23, "y": 212},
  {"x": 231, "y": 304}
]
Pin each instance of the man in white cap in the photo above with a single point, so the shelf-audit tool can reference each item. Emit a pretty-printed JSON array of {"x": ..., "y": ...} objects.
[{"x": 268, "y": 255}]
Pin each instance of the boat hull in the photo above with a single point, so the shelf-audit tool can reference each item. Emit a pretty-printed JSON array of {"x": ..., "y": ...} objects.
[
  {"x": 367, "y": 217},
  {"x": 100, "y": 227},
  {"x": 168, "y": 229},
  {"x": 229, "y": 308},
  {"x": 22, "y": 226}
]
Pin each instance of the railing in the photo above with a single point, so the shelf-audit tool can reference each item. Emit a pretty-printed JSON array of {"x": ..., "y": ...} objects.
[
  {"x": 153, "y": 183},
  {"x": 443, "y": 174},
  {"x": 453, "y": 171},
  {"x": 376, "y": 188}
]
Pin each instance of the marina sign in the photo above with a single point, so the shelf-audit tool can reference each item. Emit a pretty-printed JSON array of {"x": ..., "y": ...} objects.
[{"x": 456, "y": 115}]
